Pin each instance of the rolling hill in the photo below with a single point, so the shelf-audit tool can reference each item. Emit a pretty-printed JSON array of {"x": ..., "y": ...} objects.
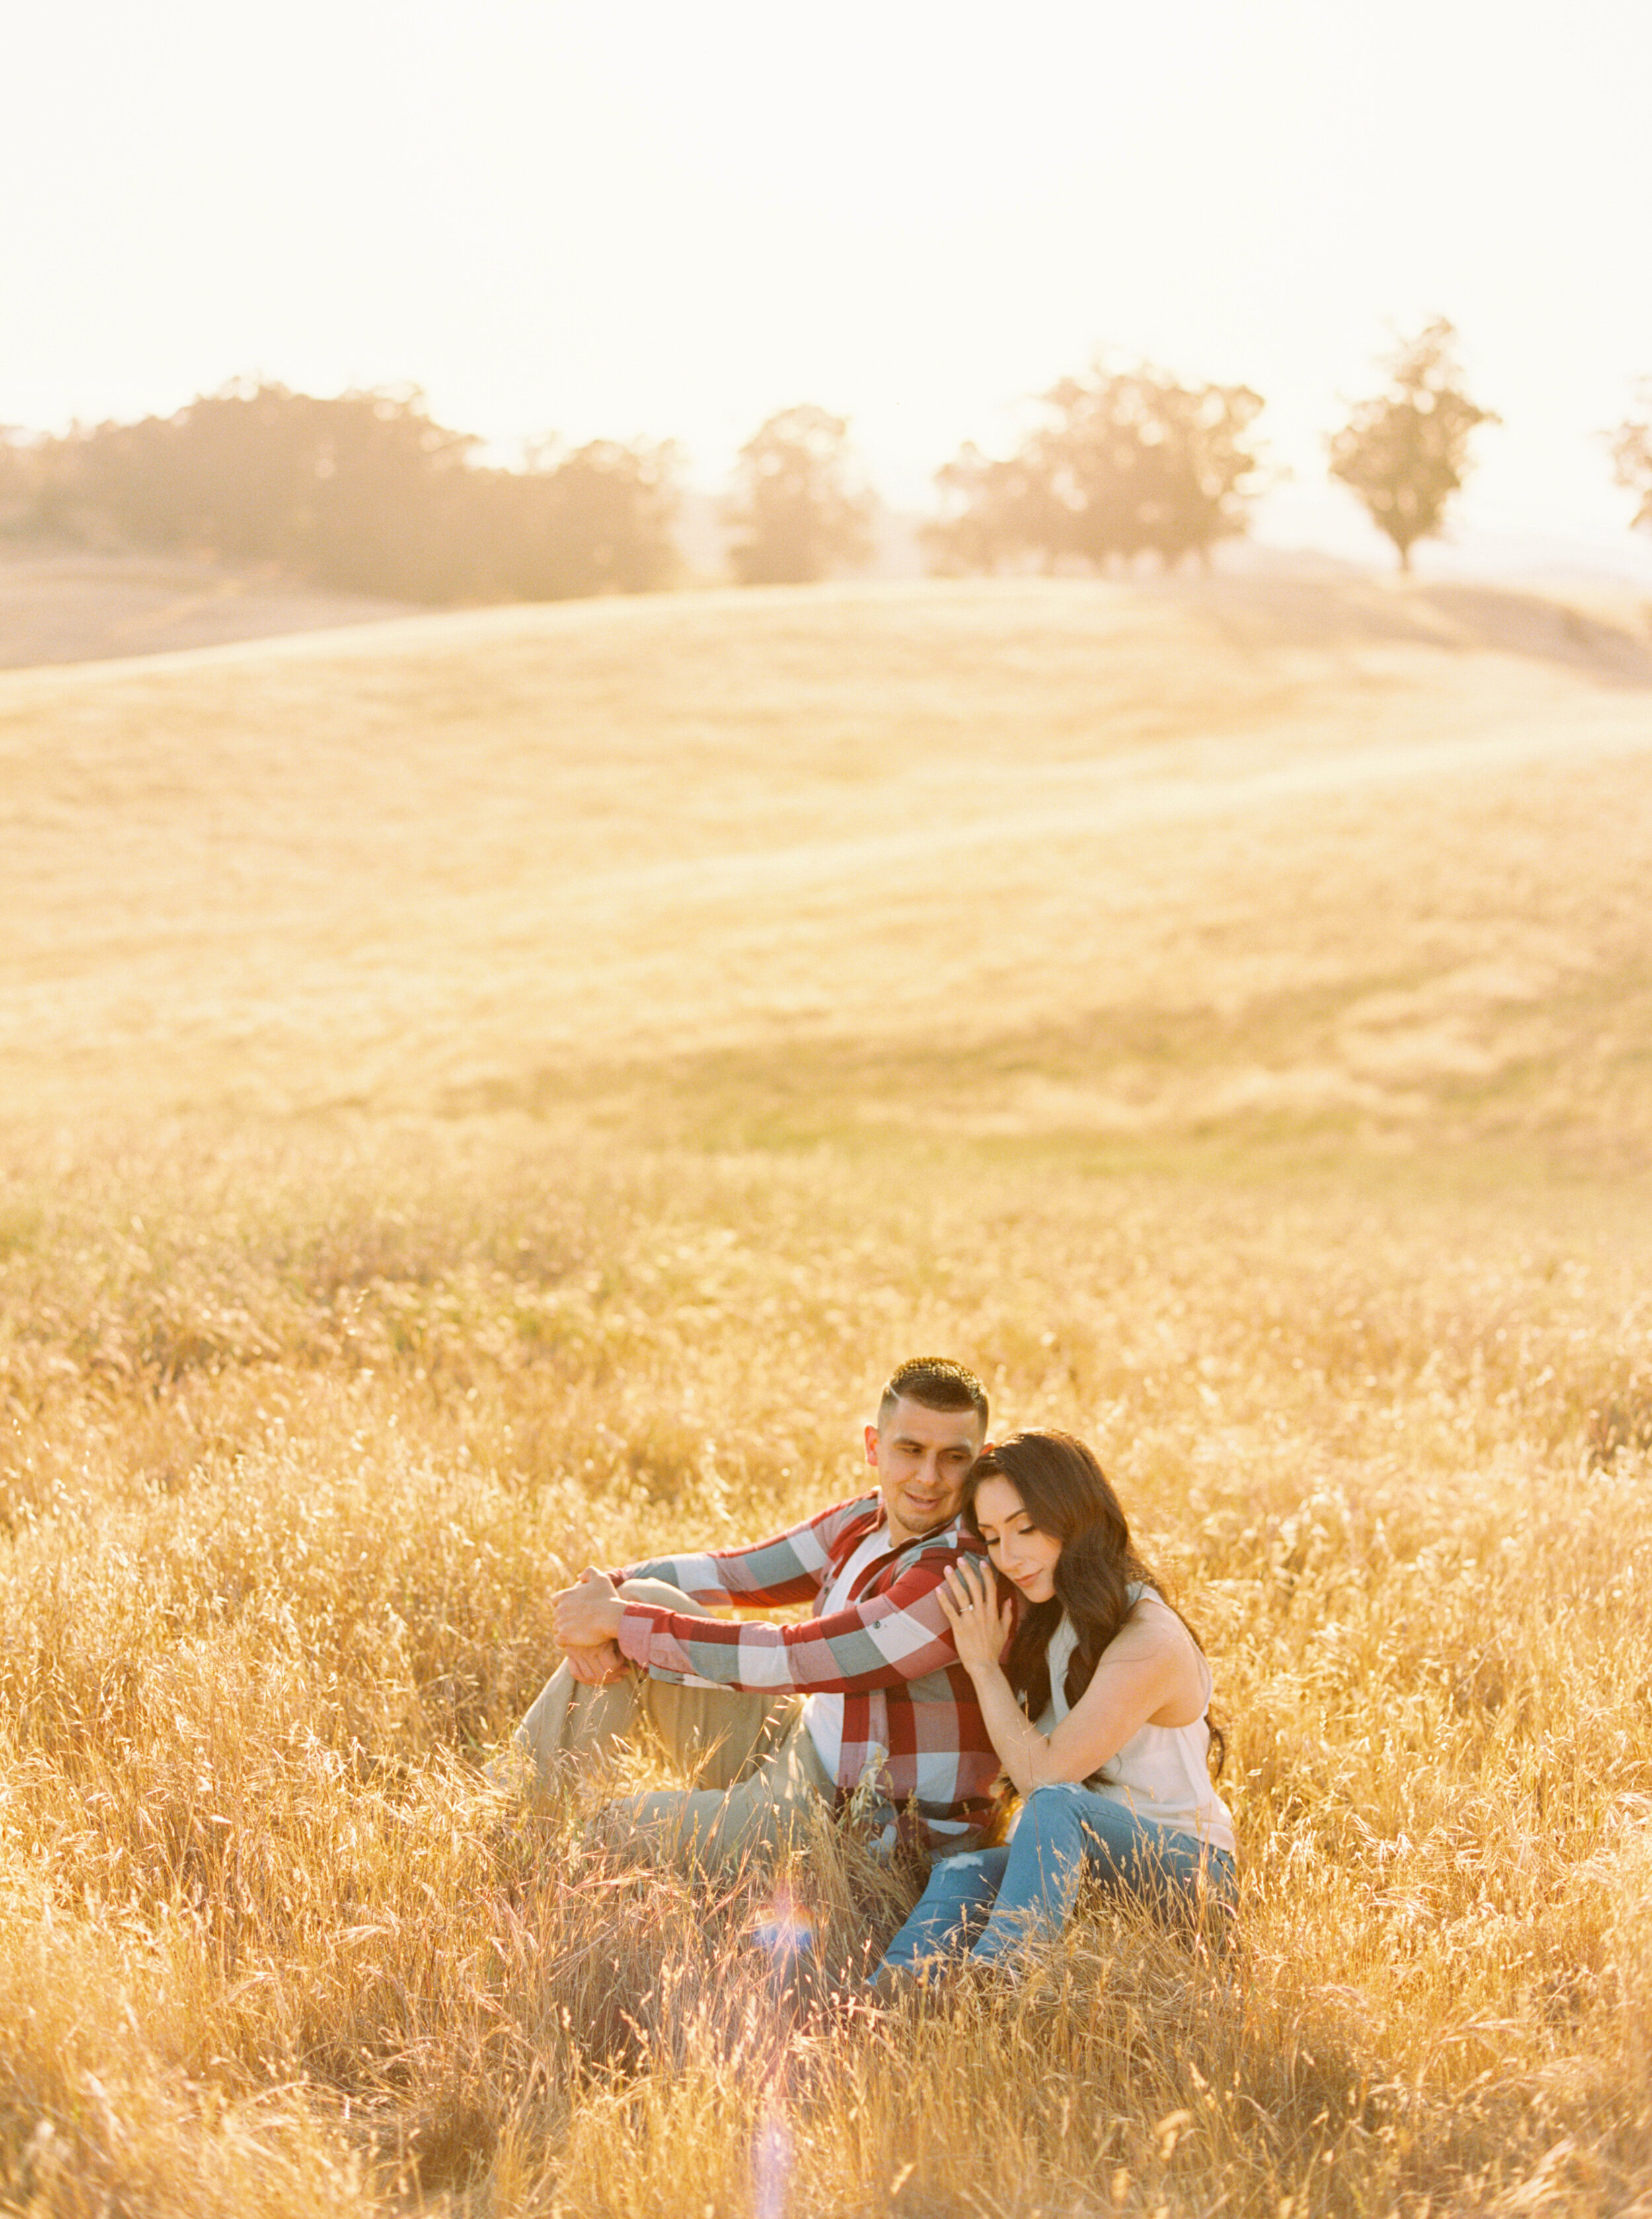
[
  {"x": 1004, "y": 858},
  {"x": 65, "y": 604}
]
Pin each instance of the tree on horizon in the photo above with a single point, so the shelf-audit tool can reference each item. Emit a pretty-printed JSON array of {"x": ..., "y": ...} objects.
[
  {"x": 1405, "y": 451},
  {"x": 798, "y": 504},
  {"x": 1631, "y": 457},
  {"x": 360, "y": 491},
  {"x": 1126, "y": 462}
]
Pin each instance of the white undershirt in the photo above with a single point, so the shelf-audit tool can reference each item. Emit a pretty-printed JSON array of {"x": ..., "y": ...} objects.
[
  {"x": 823, "y": 1714},
  {"x": 1161, "y": 1773}
]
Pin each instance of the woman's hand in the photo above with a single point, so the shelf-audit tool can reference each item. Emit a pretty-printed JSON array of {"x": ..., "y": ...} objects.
[{"x": 982, "y": 1622}]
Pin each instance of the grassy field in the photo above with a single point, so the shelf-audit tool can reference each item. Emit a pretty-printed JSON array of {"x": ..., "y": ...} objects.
[{"x": 484, "y": 1092}]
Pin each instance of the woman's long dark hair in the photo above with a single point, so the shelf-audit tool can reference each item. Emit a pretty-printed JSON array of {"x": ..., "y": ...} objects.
[{"x": 1068, "y": 1496}]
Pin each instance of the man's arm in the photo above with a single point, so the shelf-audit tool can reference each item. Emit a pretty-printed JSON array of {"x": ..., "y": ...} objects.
[
  {"x": 878, "y": 1642},
  {"x": 788, "y": 1568}
]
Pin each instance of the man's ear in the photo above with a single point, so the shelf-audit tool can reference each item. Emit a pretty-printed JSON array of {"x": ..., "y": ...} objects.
[{"x": 872, "y": 1446}]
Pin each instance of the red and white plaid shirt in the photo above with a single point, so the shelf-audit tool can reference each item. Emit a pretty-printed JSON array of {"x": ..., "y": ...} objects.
[{"x": 912, "y": 1728}]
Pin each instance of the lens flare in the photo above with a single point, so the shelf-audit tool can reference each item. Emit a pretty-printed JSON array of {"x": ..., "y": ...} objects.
[
  {"x": 771, "y": 2158},
  {"x": 786, "y": 1932}
]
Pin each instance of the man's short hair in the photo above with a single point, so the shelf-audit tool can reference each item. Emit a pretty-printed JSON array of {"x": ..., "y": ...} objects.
[{"x": 938, "y": 1384}]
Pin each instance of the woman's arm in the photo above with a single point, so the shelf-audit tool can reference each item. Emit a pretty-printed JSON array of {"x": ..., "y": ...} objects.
[{"x": 1148, "y": 1674}]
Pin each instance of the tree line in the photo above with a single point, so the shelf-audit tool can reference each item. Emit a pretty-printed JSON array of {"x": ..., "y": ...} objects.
[{"x": 366, "y": 493}]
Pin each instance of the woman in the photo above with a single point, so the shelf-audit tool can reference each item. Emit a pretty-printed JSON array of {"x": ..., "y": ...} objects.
[{"x": 1099, "y": 1711}]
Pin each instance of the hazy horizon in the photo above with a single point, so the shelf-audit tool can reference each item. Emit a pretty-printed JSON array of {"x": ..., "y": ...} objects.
[{"x": 626, "y": 222}]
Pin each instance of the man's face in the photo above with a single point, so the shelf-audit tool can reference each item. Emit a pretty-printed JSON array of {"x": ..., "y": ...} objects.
[{"x": 920, "y": 1457}]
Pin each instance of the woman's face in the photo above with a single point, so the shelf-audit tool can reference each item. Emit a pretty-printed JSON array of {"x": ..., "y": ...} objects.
[{"x": 1023, "y": 1552}]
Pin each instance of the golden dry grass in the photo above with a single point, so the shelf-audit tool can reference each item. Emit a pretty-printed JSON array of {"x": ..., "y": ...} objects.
[{"x": 498, "y": 1091}]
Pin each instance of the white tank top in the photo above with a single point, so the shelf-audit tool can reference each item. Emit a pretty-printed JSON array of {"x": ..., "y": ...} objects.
[{"x": 1161, "y": 1772}]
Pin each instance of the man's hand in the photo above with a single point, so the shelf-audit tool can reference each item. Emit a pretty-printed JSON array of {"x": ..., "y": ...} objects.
[
  {"x": 588, "y": 1613},
  {"x": 595, "y": 1668}
]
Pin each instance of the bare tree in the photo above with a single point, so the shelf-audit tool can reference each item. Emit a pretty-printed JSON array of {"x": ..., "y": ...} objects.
[
  {"x": 798, "y": 504},
  {"x": 1632, "y": 455},
  {"x": 1405, "y": 451}
]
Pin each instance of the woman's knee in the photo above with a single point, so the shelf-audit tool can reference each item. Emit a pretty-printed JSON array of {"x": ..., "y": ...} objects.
[
  {"x": 972, "y": 1878},
  {"x": 1055, "y": 1808},
  {"x": 1053, "y": 1836}
]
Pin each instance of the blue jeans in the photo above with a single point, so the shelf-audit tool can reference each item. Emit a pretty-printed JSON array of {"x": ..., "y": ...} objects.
[{"x": 1000, "y": 1899}]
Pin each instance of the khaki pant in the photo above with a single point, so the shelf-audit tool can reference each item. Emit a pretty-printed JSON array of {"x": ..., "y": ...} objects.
[{"x": 757, "y": 1778}]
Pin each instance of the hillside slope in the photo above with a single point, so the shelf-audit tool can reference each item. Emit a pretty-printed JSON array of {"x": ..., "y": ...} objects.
[
  {"x": 73, "y": 605},
  {"x": 1010, "y": 856}
]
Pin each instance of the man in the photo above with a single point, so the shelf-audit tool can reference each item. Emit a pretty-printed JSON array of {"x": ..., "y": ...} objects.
[{"x": 864, "y": 1701}]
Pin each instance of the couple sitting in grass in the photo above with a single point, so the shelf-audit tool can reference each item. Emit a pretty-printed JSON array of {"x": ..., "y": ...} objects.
[{"x": 980, "y": 1613}]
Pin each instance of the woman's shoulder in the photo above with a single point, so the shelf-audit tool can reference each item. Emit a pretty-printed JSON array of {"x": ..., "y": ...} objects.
[
  {"x": 1154, "y": 1631},
  {"x": 1152, "y": 1622}
]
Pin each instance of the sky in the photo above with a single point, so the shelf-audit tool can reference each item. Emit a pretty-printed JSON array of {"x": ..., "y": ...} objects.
[{"x": 627, "y": 218}]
